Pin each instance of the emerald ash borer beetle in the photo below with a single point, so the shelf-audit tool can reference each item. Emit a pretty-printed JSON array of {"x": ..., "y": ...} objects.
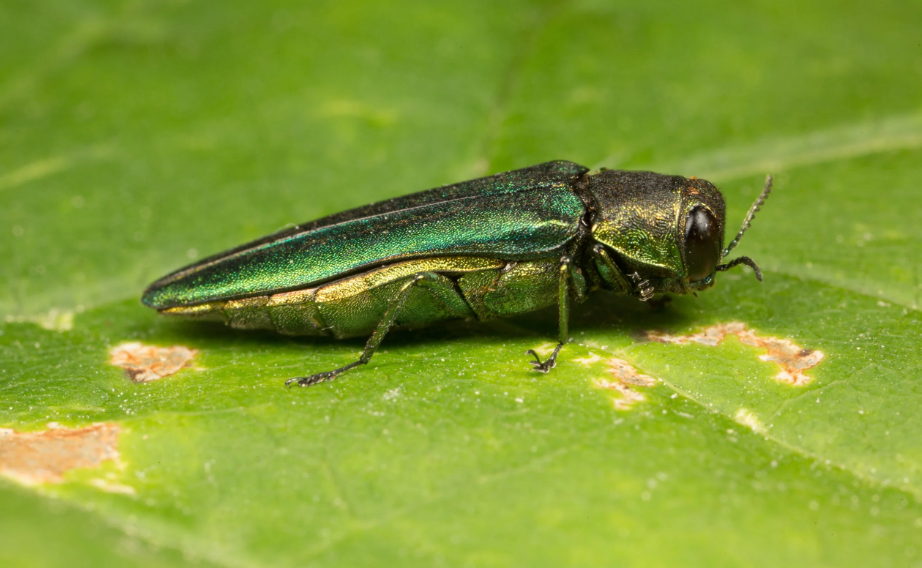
[{"x": 487, "y": 248}]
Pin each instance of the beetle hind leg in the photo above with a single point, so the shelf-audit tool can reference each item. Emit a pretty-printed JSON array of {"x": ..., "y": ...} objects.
[{"x": 377, "y": 336}]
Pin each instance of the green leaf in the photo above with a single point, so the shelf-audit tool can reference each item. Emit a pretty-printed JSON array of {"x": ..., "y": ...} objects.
[{"x": 138, "y": 136}]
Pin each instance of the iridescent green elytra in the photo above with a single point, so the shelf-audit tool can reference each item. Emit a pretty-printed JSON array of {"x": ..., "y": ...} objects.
[{"x": 481, "y": 249}]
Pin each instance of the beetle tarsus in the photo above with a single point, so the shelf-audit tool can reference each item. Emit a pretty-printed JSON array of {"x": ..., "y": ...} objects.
[
  {"x": 311, "y": 380},
  {"x": 644, "y": 290},
  {"x": 545, "y": 366},
  {"x": 322, "y": 377}
]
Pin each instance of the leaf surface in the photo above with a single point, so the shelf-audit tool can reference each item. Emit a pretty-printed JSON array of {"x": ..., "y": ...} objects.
[{"x": 139, "y": 136}]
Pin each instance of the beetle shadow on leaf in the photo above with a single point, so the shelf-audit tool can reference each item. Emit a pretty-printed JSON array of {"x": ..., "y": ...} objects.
[
  {"x": 601, "y": 312},
  {"x": 205, "y": 334},
  {"x": 626, "y": 315}
]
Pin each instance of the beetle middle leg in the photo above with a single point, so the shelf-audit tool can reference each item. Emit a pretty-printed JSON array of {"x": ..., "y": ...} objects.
[
  {"x": 377, "y": 336},
  {"x": 563, "y": 303}
]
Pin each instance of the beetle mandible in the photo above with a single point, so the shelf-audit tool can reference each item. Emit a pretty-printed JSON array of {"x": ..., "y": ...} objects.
[{"x": 491, "y": 247}]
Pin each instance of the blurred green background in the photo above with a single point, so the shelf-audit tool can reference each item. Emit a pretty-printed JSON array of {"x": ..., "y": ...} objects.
[{"x": 138, "y": 136}]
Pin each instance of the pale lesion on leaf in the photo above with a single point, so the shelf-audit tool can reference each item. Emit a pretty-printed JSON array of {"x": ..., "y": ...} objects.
[
  {"x": 624, "y": 380},
  {"x": 792, "y": 359},
  {"x": 52, "y": 320},
  {"x": 33, "y": 458},
  {"x": 750, "y": 419},
  {"x": 624, "y": 377},
  {"x": 146, "y": 363}
]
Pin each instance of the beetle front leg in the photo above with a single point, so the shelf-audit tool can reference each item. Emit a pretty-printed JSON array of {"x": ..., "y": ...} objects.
[
  {"x": 612, "y": 274},
  {"x": 563, "y": 302},
  {"x": 377, "y": 336}
]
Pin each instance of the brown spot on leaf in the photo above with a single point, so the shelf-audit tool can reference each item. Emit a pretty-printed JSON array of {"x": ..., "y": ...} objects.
[
  {"x": 792, "y": 359},
  {"x": 44, "y": 457},
  {"x": 625, "y": 378},
  {"x": 145, "y": 363}
]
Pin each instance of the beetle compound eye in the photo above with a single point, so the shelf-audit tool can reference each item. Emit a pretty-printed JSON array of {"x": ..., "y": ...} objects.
[{"x": 701, "y": 246}]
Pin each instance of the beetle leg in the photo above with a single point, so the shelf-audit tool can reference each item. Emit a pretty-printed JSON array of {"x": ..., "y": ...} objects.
[
  {"x": 640, "y": 287},
  {"x": 563, "y": 302},
  {"x": 645, "y": 291},
  {"x": 390, "y": 316},
  {"x": 610, "y": 269}
]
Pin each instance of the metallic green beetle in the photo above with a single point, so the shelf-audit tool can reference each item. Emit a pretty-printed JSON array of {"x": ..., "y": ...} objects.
[{"x": 481, "y": 249}]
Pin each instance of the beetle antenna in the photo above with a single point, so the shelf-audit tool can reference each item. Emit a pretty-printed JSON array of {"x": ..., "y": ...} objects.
[
  {"x": 749, "y": 216},
  {"x": 742, "y": 260}
]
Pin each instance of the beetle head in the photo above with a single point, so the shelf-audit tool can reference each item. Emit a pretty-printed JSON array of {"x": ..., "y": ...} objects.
[{"x": 665, "y": 233}]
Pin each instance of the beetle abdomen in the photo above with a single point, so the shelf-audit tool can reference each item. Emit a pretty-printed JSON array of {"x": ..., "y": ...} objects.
[
  {"x": 466, "y": 288},
  {"x": 351, "y": 306}
]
